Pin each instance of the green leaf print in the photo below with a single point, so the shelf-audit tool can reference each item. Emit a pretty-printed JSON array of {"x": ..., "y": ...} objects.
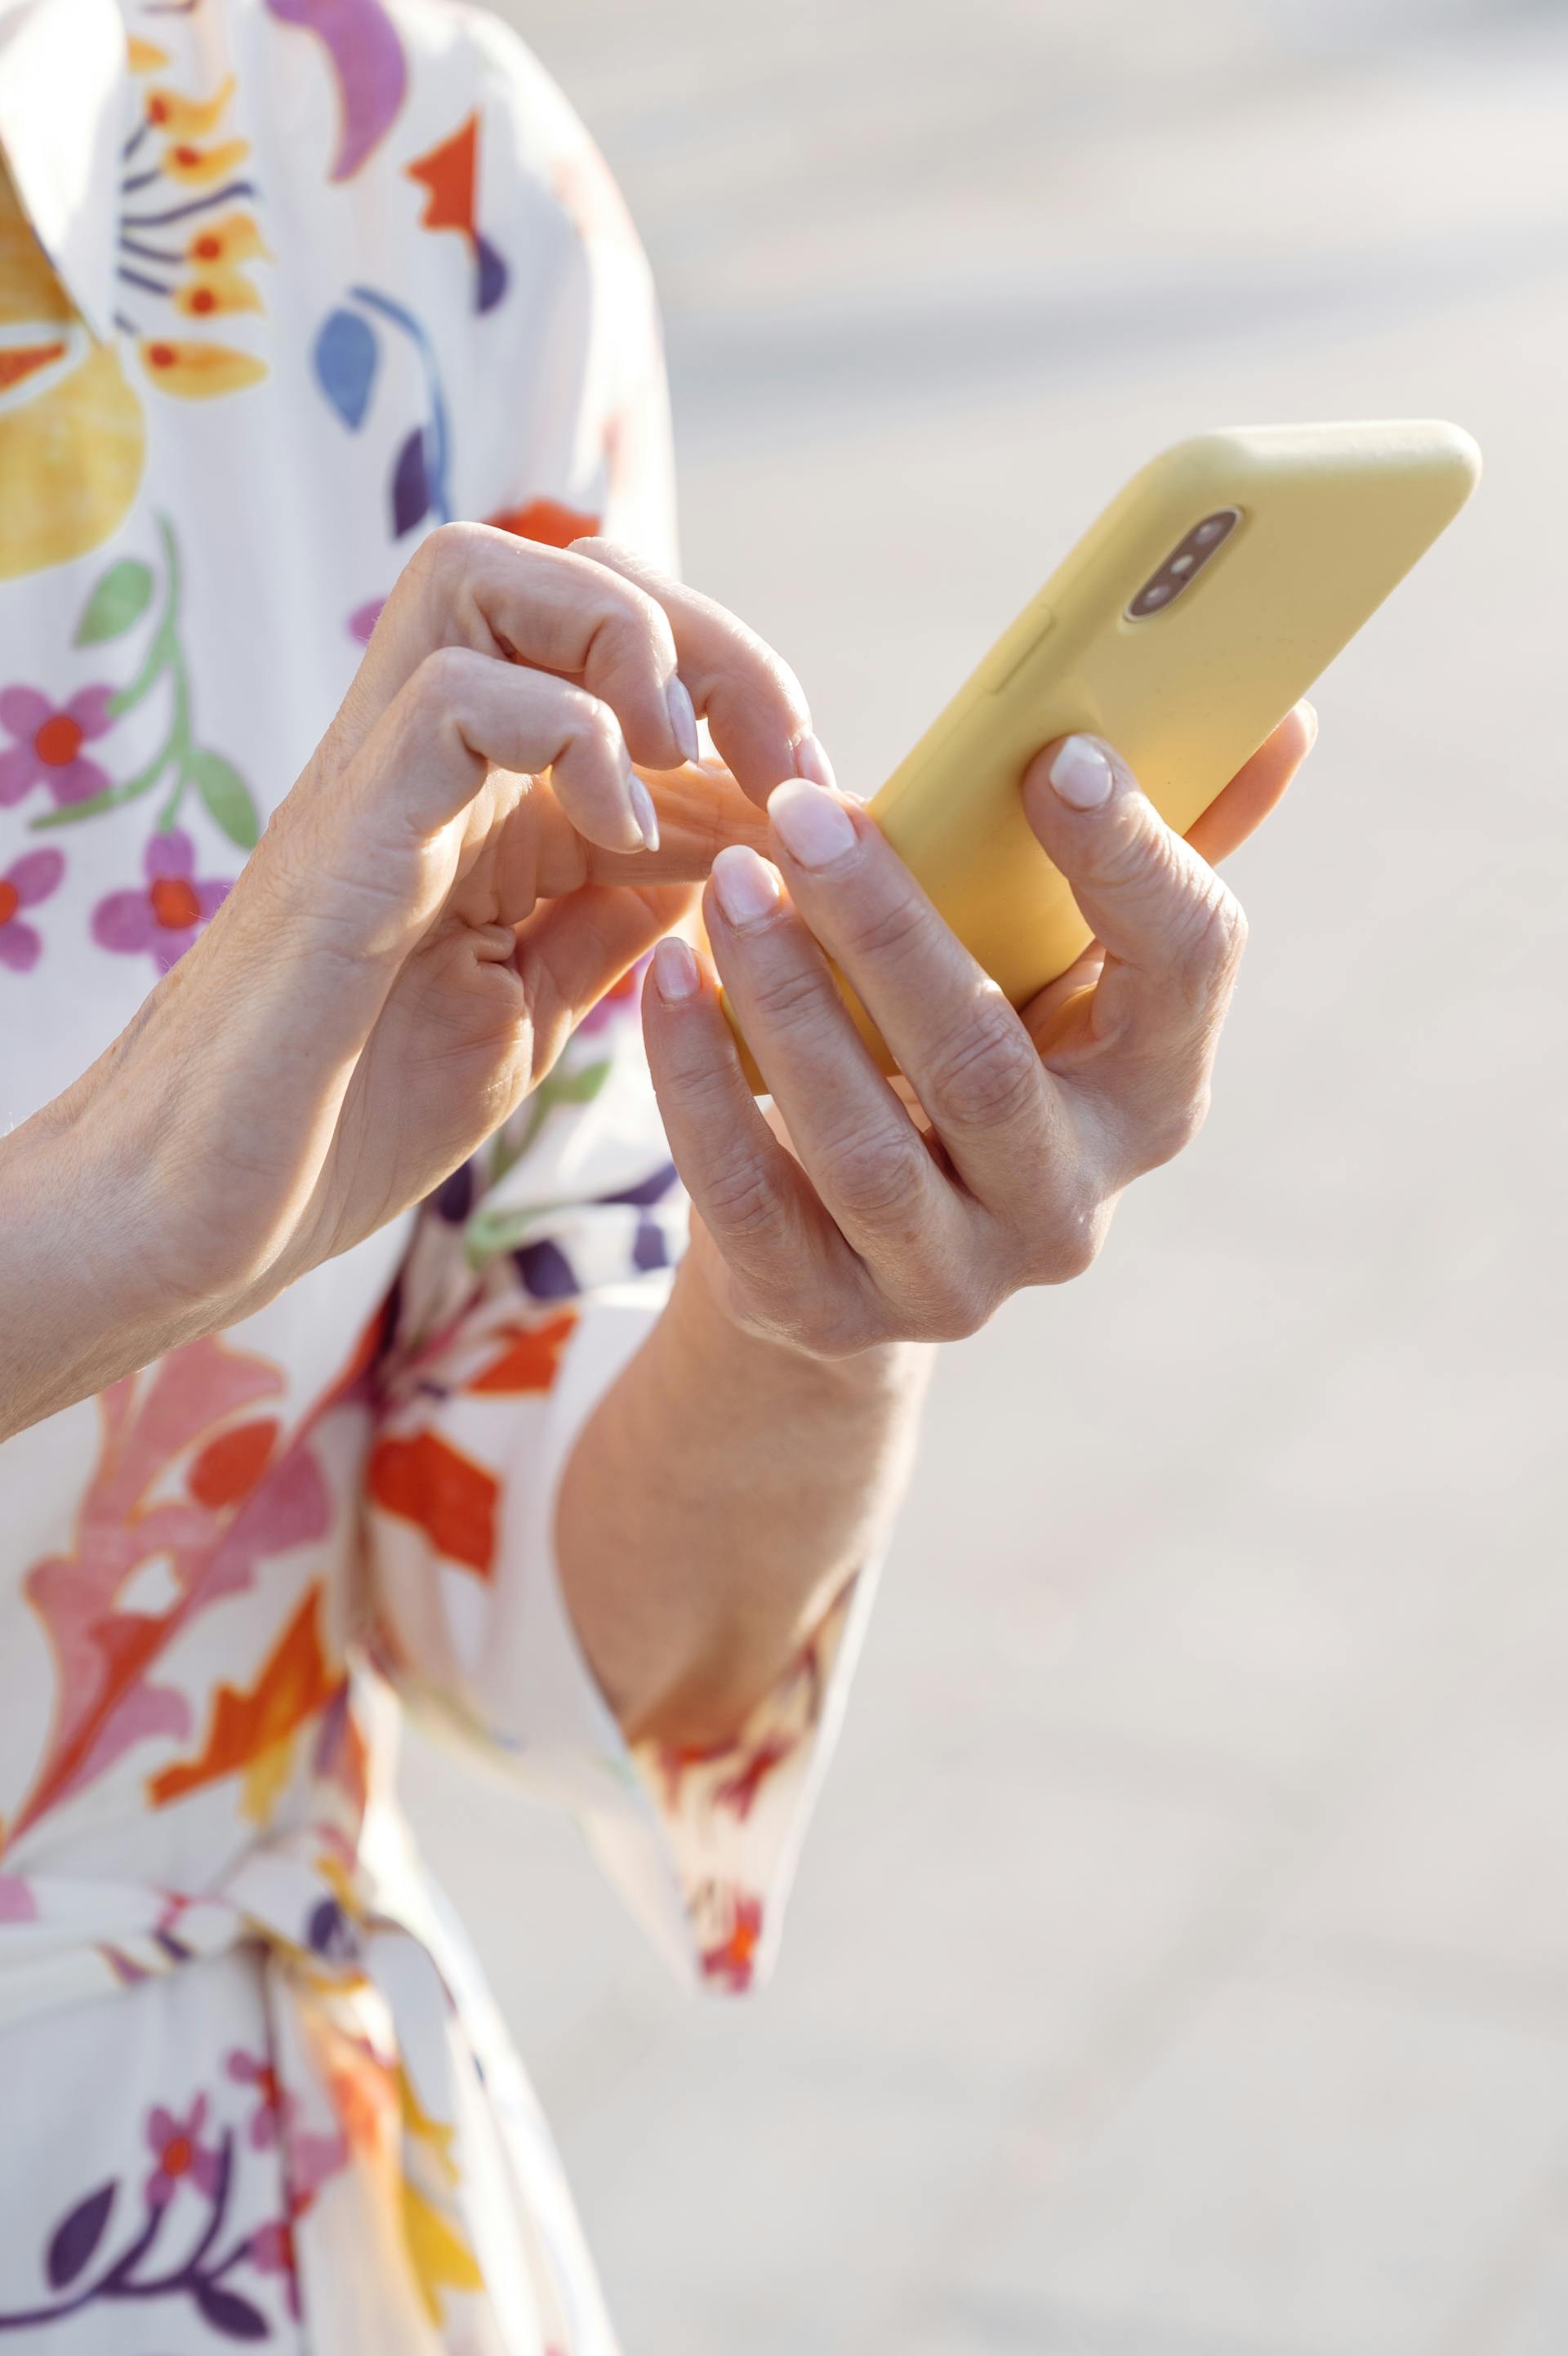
[
  {"x": 225, "y": 796},
  {"x": 120, "y": 598},
  {"x": 124, "y": 594}
]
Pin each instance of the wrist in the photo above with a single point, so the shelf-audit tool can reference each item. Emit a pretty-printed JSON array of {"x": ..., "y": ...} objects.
[{"x": 701, "y": 1323}]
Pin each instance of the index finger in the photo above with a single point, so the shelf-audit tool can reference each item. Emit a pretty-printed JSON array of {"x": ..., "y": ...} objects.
[
  {"x": 750, "y": 698},
  {"x": 470, "y": 585}
]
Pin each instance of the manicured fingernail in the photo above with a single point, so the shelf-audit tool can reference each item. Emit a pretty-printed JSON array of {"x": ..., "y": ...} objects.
[
  {"x": 675, "y": 974},
  {"x": 814, "y": 828},
  {"x": 812, "y": 762},
  {"x": 1307, "y": 714},
  {"x": 682, "y": 719},
  {"x": 747, "y": 886},
  {"x": 1081, "y": 774},
  {"x": 646, "y": 816}
]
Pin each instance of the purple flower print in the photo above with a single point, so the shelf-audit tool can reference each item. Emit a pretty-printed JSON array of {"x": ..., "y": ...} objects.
[
  {"x": 23, "y": 885},
  {"x": 50, "y": 738},
  {"x": 165, "y": 919},
  {"x": 272, "y": 2252},
  {"x": 178, "y": 2147}
]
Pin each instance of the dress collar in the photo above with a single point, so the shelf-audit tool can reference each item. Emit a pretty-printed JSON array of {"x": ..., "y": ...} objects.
[{"x": 64, "y": 103}]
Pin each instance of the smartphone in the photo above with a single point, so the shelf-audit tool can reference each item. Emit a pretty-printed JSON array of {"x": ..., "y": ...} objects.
[{"x": 1181, "y": 628}]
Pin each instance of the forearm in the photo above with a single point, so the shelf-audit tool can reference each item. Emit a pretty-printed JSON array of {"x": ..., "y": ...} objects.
[
  {"x": 72, "y": 1320},
  {"x": 717, "y": 1499}
]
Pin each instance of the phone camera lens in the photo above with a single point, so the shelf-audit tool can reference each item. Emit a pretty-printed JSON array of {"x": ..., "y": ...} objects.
[{"x": 1184, "y": 563}]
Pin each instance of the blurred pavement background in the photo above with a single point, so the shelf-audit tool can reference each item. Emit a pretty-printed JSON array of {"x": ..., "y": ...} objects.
[{"x": 1179, "y": 1966}]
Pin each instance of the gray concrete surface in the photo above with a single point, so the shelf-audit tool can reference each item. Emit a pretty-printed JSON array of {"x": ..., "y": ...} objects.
[{"x": 1179, "y": 1966}]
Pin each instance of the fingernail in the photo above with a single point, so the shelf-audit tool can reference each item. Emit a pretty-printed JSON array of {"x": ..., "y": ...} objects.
[
  {"x": 1307, "y": 714},
  {"x": 646, "y": 815},
  {"x": 812, "y": 762},
  {"x": 814, "y": 828},
  {"x": 1081, "y": 774},
  {"x": 675, "y": 974},
  {"x": 682, "y": 719},
  {"x": 747, "y": 887}
]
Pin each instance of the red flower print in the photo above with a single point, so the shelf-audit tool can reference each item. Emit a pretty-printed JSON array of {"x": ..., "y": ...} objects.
[
  {"x": 733, "y": 1959},
  {"x": 178, "y": 2147},
  {"x": 275, "y": 2111},
  {"x": 165, "y": 919},
  {"x": 549, "y": 520},
  {"x": 23, "y": 885},
  {"x": 50, "y": 738}
]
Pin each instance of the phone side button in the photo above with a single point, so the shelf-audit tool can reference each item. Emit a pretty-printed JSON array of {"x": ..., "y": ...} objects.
[{"x": 1004, "y": 679}]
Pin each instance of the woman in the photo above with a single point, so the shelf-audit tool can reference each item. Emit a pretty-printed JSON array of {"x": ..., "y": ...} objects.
[{"x": 285, "y": 286}]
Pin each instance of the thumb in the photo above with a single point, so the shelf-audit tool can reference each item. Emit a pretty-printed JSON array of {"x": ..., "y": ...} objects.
[{"x": 570, "y": 951}]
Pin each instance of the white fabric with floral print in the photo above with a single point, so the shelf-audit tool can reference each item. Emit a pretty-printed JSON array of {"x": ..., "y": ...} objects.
[{"x": 283, "y": 284}]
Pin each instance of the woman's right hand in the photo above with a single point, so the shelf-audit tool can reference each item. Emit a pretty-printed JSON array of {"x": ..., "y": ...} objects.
[{"x": 460, "y": 872}]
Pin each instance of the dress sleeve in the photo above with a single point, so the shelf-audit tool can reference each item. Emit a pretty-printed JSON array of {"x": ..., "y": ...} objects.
[
  {"x": 537, "y": 1271},
  {"x": 532, "y": 1278}
]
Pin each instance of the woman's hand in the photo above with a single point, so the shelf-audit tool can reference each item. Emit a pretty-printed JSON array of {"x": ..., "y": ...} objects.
[
  {"x": 460, "y": 873},
  {"x": 882, "y": 1226}
]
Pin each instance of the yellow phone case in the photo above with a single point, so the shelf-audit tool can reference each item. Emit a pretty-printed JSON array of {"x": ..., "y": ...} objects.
[{"x": 1186, "y": 668}]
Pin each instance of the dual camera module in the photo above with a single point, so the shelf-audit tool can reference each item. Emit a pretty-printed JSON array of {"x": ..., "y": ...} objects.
[{"x": 1184, "y": 563}]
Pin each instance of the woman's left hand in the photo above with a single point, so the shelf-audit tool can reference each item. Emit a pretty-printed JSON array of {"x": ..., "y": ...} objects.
[{"x": 873, "y": 1226}]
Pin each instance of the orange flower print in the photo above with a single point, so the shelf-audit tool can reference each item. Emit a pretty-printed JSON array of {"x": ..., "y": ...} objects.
[
  {"x": 426, "y": 1481},
  {"x": 547, "y": 520},
  {"x": 732, "y": 1960},
  {"x": 252, "y": 1728},
  {"x": 449, "y": 174}
]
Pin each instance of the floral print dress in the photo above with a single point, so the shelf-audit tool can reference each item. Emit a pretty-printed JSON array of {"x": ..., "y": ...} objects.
[{"x": 283, "y": 284}]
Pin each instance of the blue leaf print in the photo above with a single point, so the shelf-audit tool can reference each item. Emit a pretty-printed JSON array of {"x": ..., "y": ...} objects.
[
  {"x": 493, "y": 273},
  {"x": 77, "y": 2236},
  {"x": 227, "y": 2312},
  {"x": 411, "y": 485},
  {"x": 345, "y": 358}
]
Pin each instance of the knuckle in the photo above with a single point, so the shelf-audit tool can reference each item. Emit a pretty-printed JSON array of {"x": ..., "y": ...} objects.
[
  {"x": 1065, "y": 1239},
  {"x": 988, "y": 1074},
  {"x": 1172, "y": 1128},
  {"x": 593, "y": 724},
  {"x": 790, "y": 1000},
  {"x": 442, "y": 680},
  {"x": 955, "y": 1309},
  {"x": 887, "y": 936},
  {"x": 597, "y": 550},
  {"x": 1208, "y": 936},
  {"x": 446, "y": 555},
  {"x": 1069, "y": 1251},
  {"x": 877, "y": 1174},
  {"x": 741, "y": 1202}
]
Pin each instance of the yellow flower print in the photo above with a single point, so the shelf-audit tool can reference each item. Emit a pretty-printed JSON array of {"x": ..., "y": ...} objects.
[
  {"x": 202, "y": 168},
  {"x": 440, "y": 2257},
  {"x": 144, "y": 56},
  {"x": 189, "y": 118},
  {"x": 198, "y": 371},
  {"x": 71, "y": 439},
  {"x": 233, "y": 237},
  {"x": 186, "y": 254},
  {"x": 213, "y": 291}
]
